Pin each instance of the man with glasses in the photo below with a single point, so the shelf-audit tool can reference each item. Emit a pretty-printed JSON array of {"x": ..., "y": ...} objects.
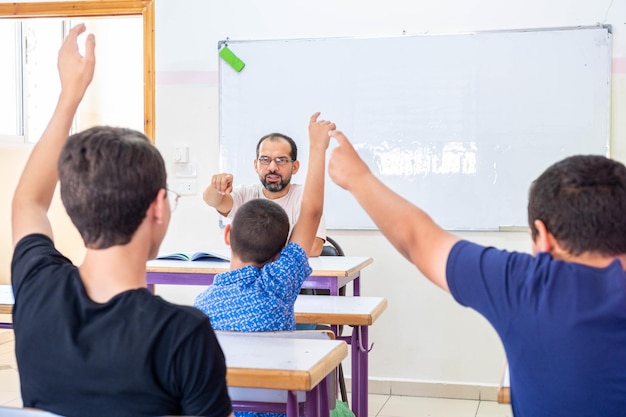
[{"x": 276, "y": 162}]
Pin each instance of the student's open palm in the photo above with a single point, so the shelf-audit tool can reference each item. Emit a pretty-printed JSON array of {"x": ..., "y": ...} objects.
[{"x": 75, "y": 70}]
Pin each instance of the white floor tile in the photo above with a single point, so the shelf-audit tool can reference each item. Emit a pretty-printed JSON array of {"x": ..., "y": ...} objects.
[
  {"x": 398, "y": 406},
  {"x": 375, "y": 403},
  {"x": 493, "y": 409}
]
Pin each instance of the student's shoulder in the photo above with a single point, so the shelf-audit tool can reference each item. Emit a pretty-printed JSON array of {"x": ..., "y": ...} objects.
[
  {"x": 34, "y": 242},
  {"x": 292, "y": 254},
  {"x": 180, "y": 314},
  {"x": 32, "y": 256}
]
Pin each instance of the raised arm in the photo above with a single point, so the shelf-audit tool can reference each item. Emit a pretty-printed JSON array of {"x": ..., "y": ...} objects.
[
  {"x": 35, "y": 188},
  {"x": 411, "y": 231},
  {"x": 217, "y": 194},
  {"x": 312, "y": 204}
]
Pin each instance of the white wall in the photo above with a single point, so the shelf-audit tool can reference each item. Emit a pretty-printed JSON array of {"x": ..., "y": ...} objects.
[{"x": 424, "y": 335}]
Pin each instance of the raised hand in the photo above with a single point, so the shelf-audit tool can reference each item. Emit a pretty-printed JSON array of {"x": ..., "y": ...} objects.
[
  {"x": 319, "y": 131},
  {"x": 75, "y": 70},
  {"x": 345, "y": 165}
]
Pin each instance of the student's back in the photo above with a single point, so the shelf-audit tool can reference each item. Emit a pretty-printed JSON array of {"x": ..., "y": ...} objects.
[
  {"x": 561, "y": 312},
  {"x": 252, "y": 299},
  {"x": 119, "y": 358},
  {"x": 562, "y": 324}
]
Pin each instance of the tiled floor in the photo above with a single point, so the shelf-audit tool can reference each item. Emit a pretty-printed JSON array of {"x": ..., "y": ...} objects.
[{"x": 379, "y": 405}]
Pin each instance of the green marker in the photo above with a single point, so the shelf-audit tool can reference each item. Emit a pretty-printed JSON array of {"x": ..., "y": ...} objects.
[{"x": 232, "y": 59}]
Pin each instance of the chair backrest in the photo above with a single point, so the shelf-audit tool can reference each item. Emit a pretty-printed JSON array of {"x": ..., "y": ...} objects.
[{"x": 332, "y": 248}]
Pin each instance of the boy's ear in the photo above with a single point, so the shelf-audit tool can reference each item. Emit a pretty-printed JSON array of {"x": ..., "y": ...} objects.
[
  {"x": 227, "y": 234},
  {"x": 158, "y": 206},
  {"x": 544, "y": 241}
]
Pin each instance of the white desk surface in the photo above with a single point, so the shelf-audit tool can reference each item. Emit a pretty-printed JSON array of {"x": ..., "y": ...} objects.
[
  {"x": 24, "y": 412},
  {"x": 279, "y": 363},
  {"x": 329, "y": 266},
  {"x": 353, "y": 311},
  {"x": 6, "y": 299}
]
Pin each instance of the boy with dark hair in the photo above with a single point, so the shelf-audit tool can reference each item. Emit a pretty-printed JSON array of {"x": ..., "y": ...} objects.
[
  {"x": 259, "y": 292},
  {"x": 92, "y": 340},
  {"x": 561, "y": 312}
]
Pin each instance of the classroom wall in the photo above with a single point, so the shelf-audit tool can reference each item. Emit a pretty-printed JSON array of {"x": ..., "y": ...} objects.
[
  {"x": 12, "y": 160},
  {"x": 424, "y": 339}
]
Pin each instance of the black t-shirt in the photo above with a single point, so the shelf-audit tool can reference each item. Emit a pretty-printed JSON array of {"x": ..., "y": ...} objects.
[{"x": 135, "y": 355}]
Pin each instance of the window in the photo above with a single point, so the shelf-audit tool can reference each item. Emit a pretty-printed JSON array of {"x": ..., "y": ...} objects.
[
  {"x": 125, "y": 65},
  {"x": 9, "y": 106}
]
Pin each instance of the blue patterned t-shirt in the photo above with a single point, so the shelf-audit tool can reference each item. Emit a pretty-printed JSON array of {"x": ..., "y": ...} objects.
[{"x": 252, "y": 299}]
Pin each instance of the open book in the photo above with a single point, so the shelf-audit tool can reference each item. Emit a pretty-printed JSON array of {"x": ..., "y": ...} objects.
[{"x": 216, "y": 255}]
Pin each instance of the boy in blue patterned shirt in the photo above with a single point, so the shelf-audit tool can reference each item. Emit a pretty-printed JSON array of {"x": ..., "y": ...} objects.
[{"x": 259, "y": 292}]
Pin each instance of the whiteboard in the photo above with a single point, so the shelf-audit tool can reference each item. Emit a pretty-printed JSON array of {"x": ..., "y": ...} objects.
[{"x": 457, "y": 124}]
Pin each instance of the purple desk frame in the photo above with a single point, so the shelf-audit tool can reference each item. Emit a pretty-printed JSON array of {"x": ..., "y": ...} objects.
[
  {"x": 316, "y": 404},
  {"x": 359, "y": 313},
  {"x": 329, "y": 272},
  {"x": 296, "y": 371}
]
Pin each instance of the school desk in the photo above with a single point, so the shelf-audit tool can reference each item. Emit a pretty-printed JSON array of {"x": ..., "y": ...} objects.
[
  {"x": 329, "y": 272},
  {"x": 24, "y": 412},
  {"x": 6, "y": 306},
  {"x": 358, "y": 312},
  {"x": 290, "y": 364}
]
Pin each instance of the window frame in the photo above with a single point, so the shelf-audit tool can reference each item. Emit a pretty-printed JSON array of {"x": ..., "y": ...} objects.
[{"x": 102, "y": 8}]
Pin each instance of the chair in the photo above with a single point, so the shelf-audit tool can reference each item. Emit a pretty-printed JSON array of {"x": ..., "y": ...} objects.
[{"x": 332, "y": 249}]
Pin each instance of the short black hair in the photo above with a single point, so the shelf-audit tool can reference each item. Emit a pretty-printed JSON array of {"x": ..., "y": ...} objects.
[
  {"x": 582, "y": 202},
  {"x": 276, "y": 136},
  {"x": 109, "y": 176},
  {"x": 259, "y": 231}
]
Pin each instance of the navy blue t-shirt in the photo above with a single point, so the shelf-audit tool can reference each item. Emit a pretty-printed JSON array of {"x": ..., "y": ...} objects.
[
  {"x": 135, "y": 355},
  {"x": 562, "y": 324}
]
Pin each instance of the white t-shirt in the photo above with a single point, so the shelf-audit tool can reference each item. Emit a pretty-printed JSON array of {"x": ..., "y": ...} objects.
[{"x": 290, "y": 202}]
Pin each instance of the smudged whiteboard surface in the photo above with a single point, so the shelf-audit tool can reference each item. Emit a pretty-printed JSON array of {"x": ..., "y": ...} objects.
[{"x": 458, "y": 124}]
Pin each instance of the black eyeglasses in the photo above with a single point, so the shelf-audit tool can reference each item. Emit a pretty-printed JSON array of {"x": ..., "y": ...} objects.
[
  {"x": 280, "y": 161},
  {"x": 173, "y": 197}
]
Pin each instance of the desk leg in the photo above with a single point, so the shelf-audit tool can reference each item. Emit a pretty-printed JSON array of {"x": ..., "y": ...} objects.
[
  {"x": 363, "y": 368},
  {"x": 292, "y": 404},
  {"x": 356, "y": 286},
  {"x": 359, "y": 370},
  {"x": 150, "y": 288},
  {"x": 325, "y": 395},
  {"x": 312, "y": 408},
  {"x": 356, "y": 372}
]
